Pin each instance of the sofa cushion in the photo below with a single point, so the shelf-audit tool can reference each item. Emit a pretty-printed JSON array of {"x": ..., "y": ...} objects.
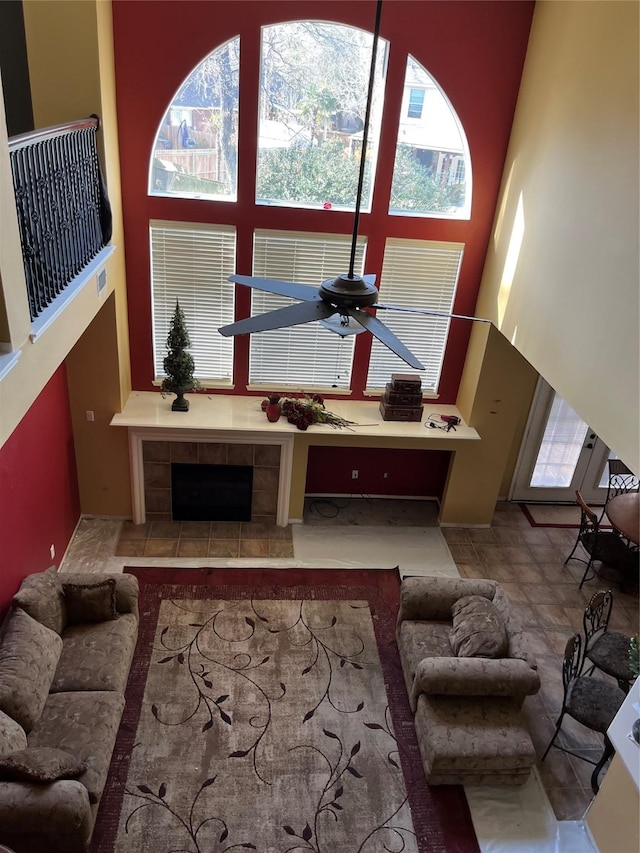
[
  {"x": 477, "y": 630},
  {"x": 84, "y": 724},
  {"x": 93, "y": 602},
  {"x": 40, "y": 595},
  {"x": 518, "y": 647},
  {"x": 418, "y": 640},
  {"x": 29, "y": 655},
  {"x": 96, "y": 656},
  {"x": 12, "y": 735},
  {"x": 40, "y": 764}
]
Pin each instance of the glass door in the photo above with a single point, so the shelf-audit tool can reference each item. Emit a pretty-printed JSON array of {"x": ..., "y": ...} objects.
[{"x": 560, "y": 454}]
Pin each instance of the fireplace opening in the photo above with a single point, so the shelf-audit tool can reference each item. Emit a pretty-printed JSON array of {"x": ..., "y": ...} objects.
[{"x": 211, "y": 492}]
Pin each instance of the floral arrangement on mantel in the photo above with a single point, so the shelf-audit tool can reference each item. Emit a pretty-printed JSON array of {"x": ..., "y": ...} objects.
[{"x": 305, "y": 411}]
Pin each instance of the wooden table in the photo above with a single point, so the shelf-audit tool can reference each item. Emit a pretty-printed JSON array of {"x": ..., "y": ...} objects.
[{"x": 623, "y": 512}]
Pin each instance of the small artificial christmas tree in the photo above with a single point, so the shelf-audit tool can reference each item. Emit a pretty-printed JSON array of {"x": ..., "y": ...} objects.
[{"x": 178, "y": 365}]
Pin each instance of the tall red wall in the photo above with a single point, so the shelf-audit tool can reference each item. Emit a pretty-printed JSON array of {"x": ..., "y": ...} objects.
[
  {"x": 39, "y": 500},
  {"x": 475, "y": 50}
]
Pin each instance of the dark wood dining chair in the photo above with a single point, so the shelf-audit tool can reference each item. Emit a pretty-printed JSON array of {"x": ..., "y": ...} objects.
[
  {"x": 606, "y": 650},
  {"x": 592, "y": 702},
  {"x": 603, "y": 546},
  {"x": 621, "y": 480}
]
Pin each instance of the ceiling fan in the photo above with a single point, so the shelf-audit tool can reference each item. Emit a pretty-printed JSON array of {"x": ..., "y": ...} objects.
[{"x": 345, "y": 297}]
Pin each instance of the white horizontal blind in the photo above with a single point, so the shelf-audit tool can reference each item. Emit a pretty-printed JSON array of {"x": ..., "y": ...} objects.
[
  {"x": 190, "y": 263},
  {"x": 306, "y": 356},
  {"x": 416, "y": 274}
]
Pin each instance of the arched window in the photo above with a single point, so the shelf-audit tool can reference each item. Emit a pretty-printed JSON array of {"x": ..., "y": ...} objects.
[
  {"x": 195, "y": 153},
  {"x": 313, "y": 92},
  {"x": 432, "y": 172}
]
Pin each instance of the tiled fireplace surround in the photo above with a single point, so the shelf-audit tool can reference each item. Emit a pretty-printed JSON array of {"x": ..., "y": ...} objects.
[{"x": 157, "y": 457}]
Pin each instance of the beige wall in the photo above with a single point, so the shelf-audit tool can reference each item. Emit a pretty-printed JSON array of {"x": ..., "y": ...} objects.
[
  {"x": 562, "y": 271},
  {"x": 494, "y": 394},
  {"x": 70, "y": 52}
]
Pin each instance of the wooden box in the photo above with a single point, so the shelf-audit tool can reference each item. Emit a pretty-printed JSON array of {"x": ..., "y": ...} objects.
[
  {"x": 400, "y": 413},
  {"x": 405, "y": 383},
  {"x": 402, "y": 398}
]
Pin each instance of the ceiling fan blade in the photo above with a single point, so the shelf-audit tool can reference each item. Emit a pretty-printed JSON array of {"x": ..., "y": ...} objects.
[
  {"x": 430, "y": 313},
  {"x": 385, "y": 335},
  {"x": 292, "y": 315},
  {"x": 304, "y": 292}
]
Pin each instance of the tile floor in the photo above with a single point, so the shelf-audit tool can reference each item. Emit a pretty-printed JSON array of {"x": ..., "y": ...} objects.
[
  {"x": 527, "y": 561},
  {"x": 204, "y": 539}
]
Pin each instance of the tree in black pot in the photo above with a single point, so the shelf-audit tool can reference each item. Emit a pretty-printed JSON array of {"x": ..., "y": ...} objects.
[{"x": 179, "y": 365}]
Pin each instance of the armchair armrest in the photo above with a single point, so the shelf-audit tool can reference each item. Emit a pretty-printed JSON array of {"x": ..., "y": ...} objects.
[
  {"x": 475, "y": 677},
  {"x": 57, "y": 815},
  {"x": 432, "y": 598},
  {"x": 126, "y": 587}
]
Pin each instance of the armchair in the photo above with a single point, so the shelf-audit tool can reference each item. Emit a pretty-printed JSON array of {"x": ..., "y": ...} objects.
[
  {"x": 466, "y": 708},
  {"x": 429, "y": 662}
]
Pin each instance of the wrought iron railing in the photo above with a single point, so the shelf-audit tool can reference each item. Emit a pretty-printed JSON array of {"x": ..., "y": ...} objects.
[{"x": 63, "y": 209}]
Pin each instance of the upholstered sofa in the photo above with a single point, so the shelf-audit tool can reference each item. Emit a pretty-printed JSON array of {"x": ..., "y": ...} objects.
[
  {"x": 66, "y": 647},
  {"x": 466, "y": 689}
]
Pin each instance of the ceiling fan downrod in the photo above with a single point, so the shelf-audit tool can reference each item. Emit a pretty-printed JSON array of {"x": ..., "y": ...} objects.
[{"x": 365, "y": 138}]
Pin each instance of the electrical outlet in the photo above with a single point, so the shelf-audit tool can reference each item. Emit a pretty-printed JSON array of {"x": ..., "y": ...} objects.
[
  {"x": 89, "y": 415},
  {"x": 52, "y": 551},
  {"x": 354, "y": 474},
  {"x": 385, "y": 475}
]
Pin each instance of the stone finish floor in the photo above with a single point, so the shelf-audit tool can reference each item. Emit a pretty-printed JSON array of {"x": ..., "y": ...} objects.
[{"x": 528, "y": 561}]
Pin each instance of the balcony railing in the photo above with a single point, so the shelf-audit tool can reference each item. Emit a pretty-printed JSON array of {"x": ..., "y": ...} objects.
[{"x": 63, "y": 209}]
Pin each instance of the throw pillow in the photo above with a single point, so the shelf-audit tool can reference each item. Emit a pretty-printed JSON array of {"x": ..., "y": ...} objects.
[
  {"x": 12, "y": 735},
  {"x": 40, "y": 764},
  {"x": 94, "y": 602},
  {"x": 478, "y": 629},
  {"x": 29, "y": 655},
  {"x": 40, "y": 595}
]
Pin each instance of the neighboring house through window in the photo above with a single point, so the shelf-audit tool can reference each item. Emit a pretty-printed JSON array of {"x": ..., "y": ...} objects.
[{"x": 416, "y": 102}]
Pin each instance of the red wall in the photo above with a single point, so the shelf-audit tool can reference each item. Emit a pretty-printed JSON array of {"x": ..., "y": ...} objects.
[
  {"x": 475, "y": 50},
  {"x": 419, "y": 473},
  {"x": 39, "y": 500}
]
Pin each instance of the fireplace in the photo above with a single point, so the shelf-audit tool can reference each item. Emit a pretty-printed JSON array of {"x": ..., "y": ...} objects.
[{"x": 211, "y": 492}]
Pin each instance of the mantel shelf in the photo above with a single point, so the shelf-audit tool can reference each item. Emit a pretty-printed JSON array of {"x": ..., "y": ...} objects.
[{"x": 227, "y": 413}]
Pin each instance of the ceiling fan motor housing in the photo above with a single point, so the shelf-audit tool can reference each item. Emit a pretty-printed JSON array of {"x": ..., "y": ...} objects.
[{"x": 349, "y": 292}]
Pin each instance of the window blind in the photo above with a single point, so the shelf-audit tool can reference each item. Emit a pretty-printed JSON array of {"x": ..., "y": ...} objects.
[
  {"x": 190, "y": 263},
  {"x": 418, "y": 274},
  {"x": 306, "y": 356}
]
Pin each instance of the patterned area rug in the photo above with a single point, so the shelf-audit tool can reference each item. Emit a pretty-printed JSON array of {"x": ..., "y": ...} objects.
[{"x": 266, "y": 710}]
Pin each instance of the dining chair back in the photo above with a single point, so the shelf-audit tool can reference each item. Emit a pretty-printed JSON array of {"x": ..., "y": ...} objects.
[
  {"x": 606, "y": 650},
  {"x": 621, "y": 479},
  {"x": 592, "y": 702},
  {"x": 604, "y": 546}
]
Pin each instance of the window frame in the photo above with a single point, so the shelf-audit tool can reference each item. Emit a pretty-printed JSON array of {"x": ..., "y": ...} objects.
[{"x": 376, "y": 226}]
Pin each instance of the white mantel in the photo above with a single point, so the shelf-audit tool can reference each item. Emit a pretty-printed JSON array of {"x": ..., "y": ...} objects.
[{"x": 243, "y": 414}]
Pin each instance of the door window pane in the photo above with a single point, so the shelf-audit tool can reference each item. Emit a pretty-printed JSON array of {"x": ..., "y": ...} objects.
[
  {"x": 195, "y": 153},
  {"x": 560, "y": 448},
  {"x": 313, "y": 93}
]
